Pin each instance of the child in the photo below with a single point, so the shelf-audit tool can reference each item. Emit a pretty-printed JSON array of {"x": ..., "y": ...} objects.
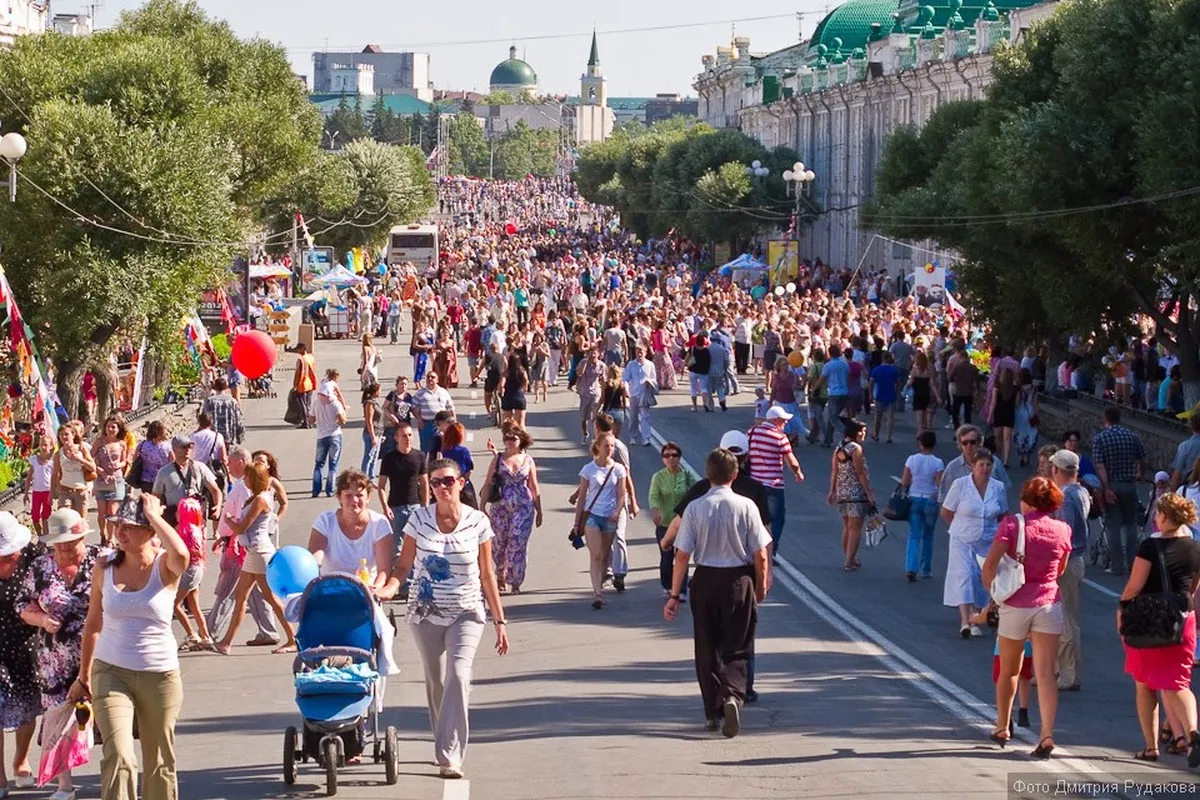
[
  {"x": 1025, "y": 676},
  {"x": 761, "y": 404},
  {"x": 191, "y": 530},
  {"x": 37, "y": 482},
  {"x": 1162, "y": 486}
]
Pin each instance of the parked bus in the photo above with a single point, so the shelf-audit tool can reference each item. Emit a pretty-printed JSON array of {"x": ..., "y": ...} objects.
[{"x": 417, "y": 244}]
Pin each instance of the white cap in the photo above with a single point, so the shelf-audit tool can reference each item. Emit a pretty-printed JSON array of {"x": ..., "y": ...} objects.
[
  {"x": 735, "y": 442},
  {"x": 1160, "y": 477},
  {"x": 13, "y": 535},
  {"x": 776, "y": 412}
]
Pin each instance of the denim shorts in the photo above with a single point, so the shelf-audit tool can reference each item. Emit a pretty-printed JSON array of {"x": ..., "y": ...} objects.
[
  {"x": 605, "y": 524},
  {"x": 114, "y": 493}
]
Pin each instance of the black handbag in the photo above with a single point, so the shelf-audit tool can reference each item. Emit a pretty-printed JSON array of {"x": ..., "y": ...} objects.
[
  {"x": 1149, "y": 621},
  {"x": 899, "y": 505},
  {"x": 494, "y": 490}
]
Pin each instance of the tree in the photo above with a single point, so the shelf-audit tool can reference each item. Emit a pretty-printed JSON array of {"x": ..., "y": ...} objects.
[
  {"x": 354, "y": 196},
  {"x": 1071, "y": 194},
  {"x": 153, "y": 147},
  {"x": 345, "y": 124},
  {"x": 469, "y": 153}
]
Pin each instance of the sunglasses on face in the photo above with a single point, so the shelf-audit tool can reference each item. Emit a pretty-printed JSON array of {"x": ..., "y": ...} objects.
[
  {"x": 670, "y": 455},
  {"x": 443, "y": 483},
  {"x": 512, "y": 438},
  {"x": 969, "y": 442}
]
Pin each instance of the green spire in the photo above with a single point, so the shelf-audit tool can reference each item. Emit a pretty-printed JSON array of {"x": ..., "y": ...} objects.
[{"x": 594, "y": 57}]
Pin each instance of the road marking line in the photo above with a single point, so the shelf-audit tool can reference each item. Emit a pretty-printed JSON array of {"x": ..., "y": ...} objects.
[
  {"x": 1102, "y": 589},
  {"x": 949, "y": 695},
  {"x": 456, "y": 790}
]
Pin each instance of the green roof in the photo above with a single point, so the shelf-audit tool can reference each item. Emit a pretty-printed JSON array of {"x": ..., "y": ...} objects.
[
  {"x": 911, "y": 17},
  {"x": 849, "y": 26},
  {"x": 401, "y": 104},
  {"x": 513, "y": 72}
]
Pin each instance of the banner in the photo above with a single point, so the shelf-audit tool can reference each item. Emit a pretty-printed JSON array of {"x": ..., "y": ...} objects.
[
  {"x": 929, "y": 286},
  {"x": 20, "y": 338},
  {"x": 784, "y": 257}
]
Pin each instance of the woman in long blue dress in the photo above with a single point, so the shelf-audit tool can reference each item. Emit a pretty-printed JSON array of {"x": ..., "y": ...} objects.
[
  {"x": 519, "y": 508},
  {"x": 422, "y": 345}
]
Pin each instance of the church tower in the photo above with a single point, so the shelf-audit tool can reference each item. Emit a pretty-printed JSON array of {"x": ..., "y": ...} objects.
[{"x": 593, "y": 84}]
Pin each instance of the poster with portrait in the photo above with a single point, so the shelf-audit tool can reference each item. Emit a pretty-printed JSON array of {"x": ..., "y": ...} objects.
[{"x": 929, "y": 285}]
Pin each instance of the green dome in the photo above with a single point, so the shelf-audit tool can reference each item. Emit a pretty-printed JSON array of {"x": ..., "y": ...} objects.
[
  {"x": 851, "y": 23},
  {"x": 513, "y": 72}
]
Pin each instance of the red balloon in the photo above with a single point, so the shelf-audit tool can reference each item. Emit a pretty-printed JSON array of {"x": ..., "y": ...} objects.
[
  {"x": 253, "y": 354},
  {"x": 510, "y": 228}
]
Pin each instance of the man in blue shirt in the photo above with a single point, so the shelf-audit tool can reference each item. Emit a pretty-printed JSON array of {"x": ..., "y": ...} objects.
[
  {"x": 836, "y": 376},
  {"x": 885, "y": 381}
]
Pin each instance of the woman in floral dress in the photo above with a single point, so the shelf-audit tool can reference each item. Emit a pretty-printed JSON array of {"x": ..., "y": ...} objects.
[
  {"x": 445, "y": 357},
  {"x": 518, "y": 509},
  {"x": 58, "y": 590},
  {"x": 660, "y": 343},
  {"x": 20, "y": 697}
]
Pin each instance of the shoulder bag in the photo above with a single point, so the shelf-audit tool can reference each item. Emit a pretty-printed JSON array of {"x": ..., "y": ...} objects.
[
  {"x": 494, "y": 493},
  {"x": 1150, "y": 621},
  {"x": 1010, "y": 572},
  {"x": 576, "y": 534},
  {"x": 899, "y": 505}
]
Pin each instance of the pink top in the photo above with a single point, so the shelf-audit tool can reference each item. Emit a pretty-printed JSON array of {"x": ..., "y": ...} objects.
[{"x": 1047, "y": 541}]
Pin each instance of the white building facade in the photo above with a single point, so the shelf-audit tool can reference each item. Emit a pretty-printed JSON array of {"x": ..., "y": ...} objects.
[
  {"x": 838, "y": 107},
  {"x": 22, "y": 17}
]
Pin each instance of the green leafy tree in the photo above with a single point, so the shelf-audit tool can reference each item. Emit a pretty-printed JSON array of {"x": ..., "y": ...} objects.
[
  {"x": 1071, "y": 195},
  {"x": 153, "y": 146},
  {"x": 345, "y": 124},
  {"x": 469, "y": 153}
]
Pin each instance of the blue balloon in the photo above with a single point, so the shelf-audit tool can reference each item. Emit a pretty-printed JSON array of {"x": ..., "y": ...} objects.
[{"x": 290, "y": 570}]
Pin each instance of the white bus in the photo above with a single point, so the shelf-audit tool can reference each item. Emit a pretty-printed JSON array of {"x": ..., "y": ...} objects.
[{"x": 417, "y": 244}]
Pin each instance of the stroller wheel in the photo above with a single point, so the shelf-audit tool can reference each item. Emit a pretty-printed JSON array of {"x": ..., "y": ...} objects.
[
  {"x": 391, "y": 754},
  {"x": 289, "y": 756},
  {"x": 332, "y": 747}
]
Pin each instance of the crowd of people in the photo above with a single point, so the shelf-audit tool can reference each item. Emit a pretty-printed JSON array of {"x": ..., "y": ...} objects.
[{"x": 540, "y": 290}]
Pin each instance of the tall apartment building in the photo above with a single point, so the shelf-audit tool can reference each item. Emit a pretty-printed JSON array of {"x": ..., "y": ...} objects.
[{"x": 394, "y": 73}]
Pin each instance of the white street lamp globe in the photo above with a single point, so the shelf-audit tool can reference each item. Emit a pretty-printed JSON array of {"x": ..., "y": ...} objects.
[
  {"x": 791, "y": 288},
  {"x": 12, "y": 146},
  {"x": 787, "y": 175},
  {"x": 810, "y": 175},
  {"x": 798, "y": 167},
  {"x": 763, "y": 172},
  {"x": 779, "y": 291},
  {"x": 756, "y": 164}
]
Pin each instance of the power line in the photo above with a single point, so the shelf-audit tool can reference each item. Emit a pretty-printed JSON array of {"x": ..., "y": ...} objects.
[{"x": 552, "y": 36}]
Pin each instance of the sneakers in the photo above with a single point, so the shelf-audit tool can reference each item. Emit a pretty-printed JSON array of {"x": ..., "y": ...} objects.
[
  {"x": 451, "y": 772},
  {"x": 63, "y": 794},
  {"x": 619, "y": 582},
  {"x": 733, "y": 723},
  {"x": 751, "y": 696}
]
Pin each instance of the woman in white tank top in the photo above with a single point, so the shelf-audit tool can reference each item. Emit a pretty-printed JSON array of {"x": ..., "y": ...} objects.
[{"x": 129, "y": 661}]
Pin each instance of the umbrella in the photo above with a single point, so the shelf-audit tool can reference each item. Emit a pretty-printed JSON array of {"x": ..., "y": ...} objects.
[{"x": 339, "y": 276}]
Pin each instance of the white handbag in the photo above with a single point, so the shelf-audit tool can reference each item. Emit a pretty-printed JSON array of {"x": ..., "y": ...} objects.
[{"x": 1010, "y": 572}]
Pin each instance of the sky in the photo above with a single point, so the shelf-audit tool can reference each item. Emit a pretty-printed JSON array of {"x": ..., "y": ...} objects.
[{"x": 467, "y": 38}]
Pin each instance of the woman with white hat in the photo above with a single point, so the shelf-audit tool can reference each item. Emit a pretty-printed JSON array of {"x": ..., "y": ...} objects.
[
  {"x": 57, "y": 605},
  {"x": 20, "y": 698}
]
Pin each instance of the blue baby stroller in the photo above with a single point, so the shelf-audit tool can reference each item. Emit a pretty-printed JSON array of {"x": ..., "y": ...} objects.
[{"x": 337, "y": 685}]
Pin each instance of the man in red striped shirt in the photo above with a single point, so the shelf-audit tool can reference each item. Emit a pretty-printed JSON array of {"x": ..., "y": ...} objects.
[{"x": 769, "y": 451}]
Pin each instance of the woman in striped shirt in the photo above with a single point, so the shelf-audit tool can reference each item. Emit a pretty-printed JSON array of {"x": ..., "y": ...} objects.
[{"x": 448, "y": 548}]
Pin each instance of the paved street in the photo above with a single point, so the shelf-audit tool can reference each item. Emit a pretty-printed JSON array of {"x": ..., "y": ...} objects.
[{"x": 867, "y": 689}]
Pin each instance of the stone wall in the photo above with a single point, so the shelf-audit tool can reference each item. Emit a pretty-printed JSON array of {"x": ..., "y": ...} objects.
[{"x": 1159, "y": 436}]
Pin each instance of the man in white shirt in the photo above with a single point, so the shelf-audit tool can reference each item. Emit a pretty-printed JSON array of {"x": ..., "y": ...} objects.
[
  {"x": 331, "y": 416},
  {"x": 642, "y": 381}
]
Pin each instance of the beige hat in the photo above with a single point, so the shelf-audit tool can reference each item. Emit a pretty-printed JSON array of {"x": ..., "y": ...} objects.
[
  {"x": 65, "y": 525},
  {"x": 13, "y": 535}
]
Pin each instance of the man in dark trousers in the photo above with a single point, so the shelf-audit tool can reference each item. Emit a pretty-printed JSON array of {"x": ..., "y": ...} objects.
[
  {"x": 737, "y": 443},
  {"x": 723, "y": 533}
]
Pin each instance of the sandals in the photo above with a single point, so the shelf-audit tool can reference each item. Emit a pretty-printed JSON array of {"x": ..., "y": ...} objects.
[
  {"x": 1147, "y": 754},
  {"x": 850, "y": 567},
  {"x": 1165, "y": 736},
  {"x": 287, "y": 648},
  {"x": 1178, "y": 746},
  {"x": 1000, "y": 737},
  {"x": 1043, "y": 750}
]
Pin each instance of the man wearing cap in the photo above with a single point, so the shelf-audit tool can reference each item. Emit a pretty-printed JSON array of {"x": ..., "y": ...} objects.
[
  {"x": 1077, "y": 502},
  {"x": 185, "y": 477},
  {"x": 769, "y": 450},
  {"x": 723, "y": 533}
]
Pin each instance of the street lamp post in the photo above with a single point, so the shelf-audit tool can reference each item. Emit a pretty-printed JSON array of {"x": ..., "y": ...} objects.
[
  {"x": 12, "y": 149},
  {"x": 757, "y": 170},
  {"x": 797, "y": 179}
]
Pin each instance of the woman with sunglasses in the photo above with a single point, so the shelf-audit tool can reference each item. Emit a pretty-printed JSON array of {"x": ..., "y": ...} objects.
[
  {"x": 453, "y": 579},
  {"x": 667, "y": 488},
  {"x": 599, "y": 501},
  {"x": 518, "y": 507}
]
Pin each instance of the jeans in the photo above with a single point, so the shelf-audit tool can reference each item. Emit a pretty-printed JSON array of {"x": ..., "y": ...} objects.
[
  {"x": 155, "y": 699},
  {"x": 639, "y": 421},
  {"x": 775, "y": 507},
  {"x": 400, "y": 515},
  {"x": 370, "y": 454},
  {"x": 1123, "y": 523},
  {"x": 393, "y": 328},
  {"x": 717, "y": 386},
  {"x": 426, "y": 432},
  {"x": 922, "y": 519},
  {"x": 329, "y": 449},
  {"x": 833, "y": 410}
]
